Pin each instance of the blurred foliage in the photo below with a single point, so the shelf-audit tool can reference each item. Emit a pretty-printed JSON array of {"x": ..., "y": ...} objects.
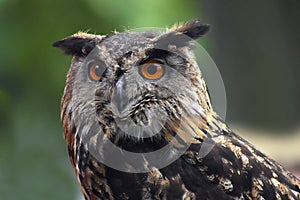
[{"x": 33, "y": 156}]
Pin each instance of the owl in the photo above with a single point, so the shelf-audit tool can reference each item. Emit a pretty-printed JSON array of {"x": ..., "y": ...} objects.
[{"x": 139, "y": 124}]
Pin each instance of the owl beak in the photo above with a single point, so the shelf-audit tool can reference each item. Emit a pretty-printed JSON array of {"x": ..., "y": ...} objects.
[{"x": 120, "y": 98}]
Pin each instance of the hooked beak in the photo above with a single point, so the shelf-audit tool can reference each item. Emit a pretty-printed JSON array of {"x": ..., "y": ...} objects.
[{"x": 120, "y": 96}]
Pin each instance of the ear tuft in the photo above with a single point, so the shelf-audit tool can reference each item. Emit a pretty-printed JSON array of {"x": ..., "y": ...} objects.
[
  {"x": 182, "y": 35},
  {"x": 79, "y": 44},
  {"x": 193, "y": 29}
]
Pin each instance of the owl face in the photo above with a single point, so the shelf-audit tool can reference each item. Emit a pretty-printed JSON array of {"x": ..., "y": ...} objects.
[{"x": 137, "y": 85}]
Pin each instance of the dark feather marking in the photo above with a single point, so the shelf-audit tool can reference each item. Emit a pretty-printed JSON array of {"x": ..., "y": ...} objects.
[
  {"x": 194, "y": 29},
  {"x": 181, "y": 36},
  {"x": 75, "y": 46},
  {"x": 80, "y": 44},
  {"x": 122, "y": 182}
]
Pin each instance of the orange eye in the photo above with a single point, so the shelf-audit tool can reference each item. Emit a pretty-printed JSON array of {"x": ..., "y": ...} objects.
[
  {"x": 152, "y": 70},
  {"x": 96, "y": 71}
]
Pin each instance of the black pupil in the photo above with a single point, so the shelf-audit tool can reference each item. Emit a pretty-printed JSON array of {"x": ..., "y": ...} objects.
[
  {"x": 152, "y": 69},
  {"x": 98, "y": 70}
]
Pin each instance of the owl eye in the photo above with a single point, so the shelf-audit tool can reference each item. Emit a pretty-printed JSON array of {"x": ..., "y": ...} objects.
[
  {"x": 152, "y": 70},
  {"x": 96, "y": 70}
]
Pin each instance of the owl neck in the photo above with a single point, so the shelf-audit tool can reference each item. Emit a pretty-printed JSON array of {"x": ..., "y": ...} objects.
[
  {"x": 179, "y": 132},
  {"x": 196, "y": 129}
]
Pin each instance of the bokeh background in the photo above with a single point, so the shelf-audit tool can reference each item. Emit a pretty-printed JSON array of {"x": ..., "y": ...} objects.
[{"x": 255, "y": 45}]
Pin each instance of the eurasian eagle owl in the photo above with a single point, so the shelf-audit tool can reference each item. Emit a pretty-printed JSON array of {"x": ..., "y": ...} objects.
[{"x": 136, "y": 113}]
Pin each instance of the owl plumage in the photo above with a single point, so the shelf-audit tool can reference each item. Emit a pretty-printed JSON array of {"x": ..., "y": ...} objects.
[{"x": 152, "y": 80}]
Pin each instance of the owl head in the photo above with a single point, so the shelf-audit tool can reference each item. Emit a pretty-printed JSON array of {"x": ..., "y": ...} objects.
[{"x": 135, "y": 87}]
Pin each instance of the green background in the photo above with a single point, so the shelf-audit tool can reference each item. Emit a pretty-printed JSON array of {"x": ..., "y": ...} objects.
[{"x": 255, "y": 45}]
